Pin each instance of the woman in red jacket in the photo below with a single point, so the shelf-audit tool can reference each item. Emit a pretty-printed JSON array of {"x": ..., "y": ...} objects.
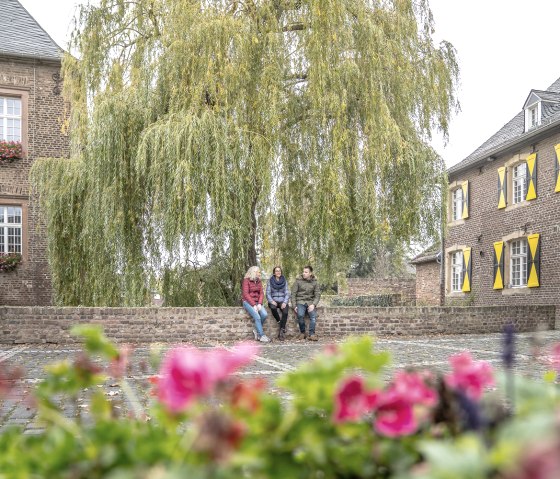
[{"x": 252, "y": 301}]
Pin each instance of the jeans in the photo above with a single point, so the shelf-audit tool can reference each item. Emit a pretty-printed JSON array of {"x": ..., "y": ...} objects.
[
  {"x": 258, "y": 318},
  {"x": 301, "y": 310},
  {"x": 274, "y": 310}
]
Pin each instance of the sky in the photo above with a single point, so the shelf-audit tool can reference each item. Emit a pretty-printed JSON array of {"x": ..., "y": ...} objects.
[{"x": 505, "y": 48}]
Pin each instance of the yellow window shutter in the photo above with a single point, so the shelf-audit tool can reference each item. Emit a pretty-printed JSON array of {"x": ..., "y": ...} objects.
[
  {"x": 466, "y": 199},
  {"x": 557, "y": 148},
  {"x": 502, "y": 201},
  {"x": 534, "y": 261},
  {"x": 531, "y": 177},
  {"x": 467, "y": 270},
  {"x": 499, "y": 265}
]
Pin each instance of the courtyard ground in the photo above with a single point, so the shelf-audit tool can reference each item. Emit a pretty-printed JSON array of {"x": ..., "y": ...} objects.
[{"x": 273, "y": 360}]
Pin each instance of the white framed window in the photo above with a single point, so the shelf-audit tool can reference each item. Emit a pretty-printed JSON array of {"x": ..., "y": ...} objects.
[
  {"x": 456, "y": 271},
  {"x": 519, "y": 180},
  {"x": 457, "y": 204},
  {"x": 10, "y": 229},
  {"x": 533, "y": 116},
  {"x": 10, "y": 118},
  {"x": 518, "y": 263}
]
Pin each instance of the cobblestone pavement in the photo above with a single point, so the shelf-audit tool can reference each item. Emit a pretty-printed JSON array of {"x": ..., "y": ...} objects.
[{"x": 273, "y": 360}]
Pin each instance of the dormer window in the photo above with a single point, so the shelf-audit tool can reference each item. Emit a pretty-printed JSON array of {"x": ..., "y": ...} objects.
[
  {"x": 532, "y": 116},
  {"x": 533, "y": 110}
]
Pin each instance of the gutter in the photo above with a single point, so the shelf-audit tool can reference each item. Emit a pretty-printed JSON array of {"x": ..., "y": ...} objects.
[
  {"x": 512, "y": 144},
  {"x": 11, "y": 56}
]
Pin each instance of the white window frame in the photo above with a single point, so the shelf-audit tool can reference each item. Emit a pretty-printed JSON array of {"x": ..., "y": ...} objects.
[
  {"x": 518, "y": 183},
  {"x": 6, "y": 118},
  {"x": 533, "y": 116},
  {"x": 457, "y": 271},
  {"x": 11, "y": 227},
  {"x": 518, "y": 263},
  {"x": 457, "y": 204}
]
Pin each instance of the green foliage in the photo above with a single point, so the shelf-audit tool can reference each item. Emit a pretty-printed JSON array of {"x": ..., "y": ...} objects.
[
  {"x": 295, "y": 438},
  {"x": 226, "y": 129}
]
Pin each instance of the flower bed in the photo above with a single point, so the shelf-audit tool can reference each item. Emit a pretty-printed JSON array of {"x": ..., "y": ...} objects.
[
  {"x": 10, "y": 151},
  {"x": 343, "y": 420},
  {"x": 9, "y": 261}
]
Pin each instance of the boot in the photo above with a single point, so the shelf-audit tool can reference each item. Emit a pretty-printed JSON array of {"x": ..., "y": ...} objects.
[{"x": 281, "y": 334}]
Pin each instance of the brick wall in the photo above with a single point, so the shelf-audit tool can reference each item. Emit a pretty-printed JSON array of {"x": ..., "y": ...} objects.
[
  {"x": 428, "y": 283},
  {"x": 486, "y": 225},
  {"x": 51, "y": 324},
  {"x": 373, "y": 286},
  {"x": 30, "y": 283}
]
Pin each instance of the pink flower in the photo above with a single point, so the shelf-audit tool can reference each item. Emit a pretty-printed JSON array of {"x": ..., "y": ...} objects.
[
  {"x": 394, "y": 416},
  {"x": 555, "y": 360},
  {"x": 119, "y": 365},
  {"x": 412, "y": 386},
  {"x": 188, "y": 373},
  {"x": 352, "y": 400},
  {"x": 469, "y": 376}
]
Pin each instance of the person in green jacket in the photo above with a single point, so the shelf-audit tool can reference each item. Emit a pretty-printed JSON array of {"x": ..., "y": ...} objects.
[{"x": 305, "y": 298}]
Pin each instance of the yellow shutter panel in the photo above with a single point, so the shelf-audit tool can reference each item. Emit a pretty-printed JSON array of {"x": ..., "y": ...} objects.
[
  {"x": 534, "y": 261},
  {"x": 531, "y": 177},
  {"x": 557, "y": 148},
  {"x": 502, "y": 201},
  {"x": 499, "y": 265},
  {"x": 466, "y": 199},
  {"x": 467, "y": 270}
]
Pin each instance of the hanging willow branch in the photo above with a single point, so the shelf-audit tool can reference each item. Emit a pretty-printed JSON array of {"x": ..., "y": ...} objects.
[{"x": 211, "y": 130}]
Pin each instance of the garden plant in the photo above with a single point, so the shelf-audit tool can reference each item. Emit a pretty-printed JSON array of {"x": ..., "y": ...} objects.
[{"x": 339, "y": 415}]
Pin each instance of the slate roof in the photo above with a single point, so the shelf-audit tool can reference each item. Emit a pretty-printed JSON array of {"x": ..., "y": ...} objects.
[
  {"x": 428, "y": 255},
  {"x": 514, "y": 130},
  {"x": 22, "y": 36}
]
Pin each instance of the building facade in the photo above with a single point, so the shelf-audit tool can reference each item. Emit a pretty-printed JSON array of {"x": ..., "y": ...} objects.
[
  {"x": 502, "y": 244},
  {"x": 32, "y": 113}
]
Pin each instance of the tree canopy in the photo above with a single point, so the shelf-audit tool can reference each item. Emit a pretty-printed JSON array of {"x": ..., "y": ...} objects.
[{"x": 284, "y": 131}]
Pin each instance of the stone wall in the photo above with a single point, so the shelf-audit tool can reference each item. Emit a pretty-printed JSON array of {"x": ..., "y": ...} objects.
[
  {"x": 428, "y": 291},
  {"x": 374, "y": 286},
  {"x": 42, "y": 120},
  {"x": 137, "y": 325}
]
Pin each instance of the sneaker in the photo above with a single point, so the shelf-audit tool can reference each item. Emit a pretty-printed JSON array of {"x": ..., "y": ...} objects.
[
  {"x": 255, "y": 334},
  {"x": 313, "y": 337},
  {"x": 264, "y": 339},
  {"x": 302, "y": 336}
]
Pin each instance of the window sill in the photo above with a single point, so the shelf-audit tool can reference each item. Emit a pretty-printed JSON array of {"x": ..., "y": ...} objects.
[
  {"x": 456, "y": 222},
  {"x": 521, "y": 204},
  {"x": 514, "y": 291},
  {"x": 455, "y": 294}
]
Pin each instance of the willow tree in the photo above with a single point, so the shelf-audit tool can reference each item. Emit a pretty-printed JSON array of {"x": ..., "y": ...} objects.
[{"x": 242, "y": 131}]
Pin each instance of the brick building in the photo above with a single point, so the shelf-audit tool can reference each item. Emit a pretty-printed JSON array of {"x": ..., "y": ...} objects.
[
  {"x": 31, "y": 112},
  {"x": 503, "y": 235},
  {"x": 428, "y": 290}
]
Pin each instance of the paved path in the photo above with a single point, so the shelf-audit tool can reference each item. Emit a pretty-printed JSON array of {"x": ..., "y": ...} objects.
[{"x": 274, "y": 359}]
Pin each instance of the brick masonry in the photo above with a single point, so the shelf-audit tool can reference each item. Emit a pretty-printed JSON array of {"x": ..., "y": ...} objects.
[
  {"x": 486, "y": 225},
  {"x": 427, "y": 284},
  {"x": 138, "y": 325},
  {"x": 30, "y": 283},
  {"x": 373, "y": 286}
]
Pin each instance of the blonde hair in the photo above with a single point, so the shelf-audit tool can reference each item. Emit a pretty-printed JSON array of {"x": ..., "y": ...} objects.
[{"x": 252, "y": 273}]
